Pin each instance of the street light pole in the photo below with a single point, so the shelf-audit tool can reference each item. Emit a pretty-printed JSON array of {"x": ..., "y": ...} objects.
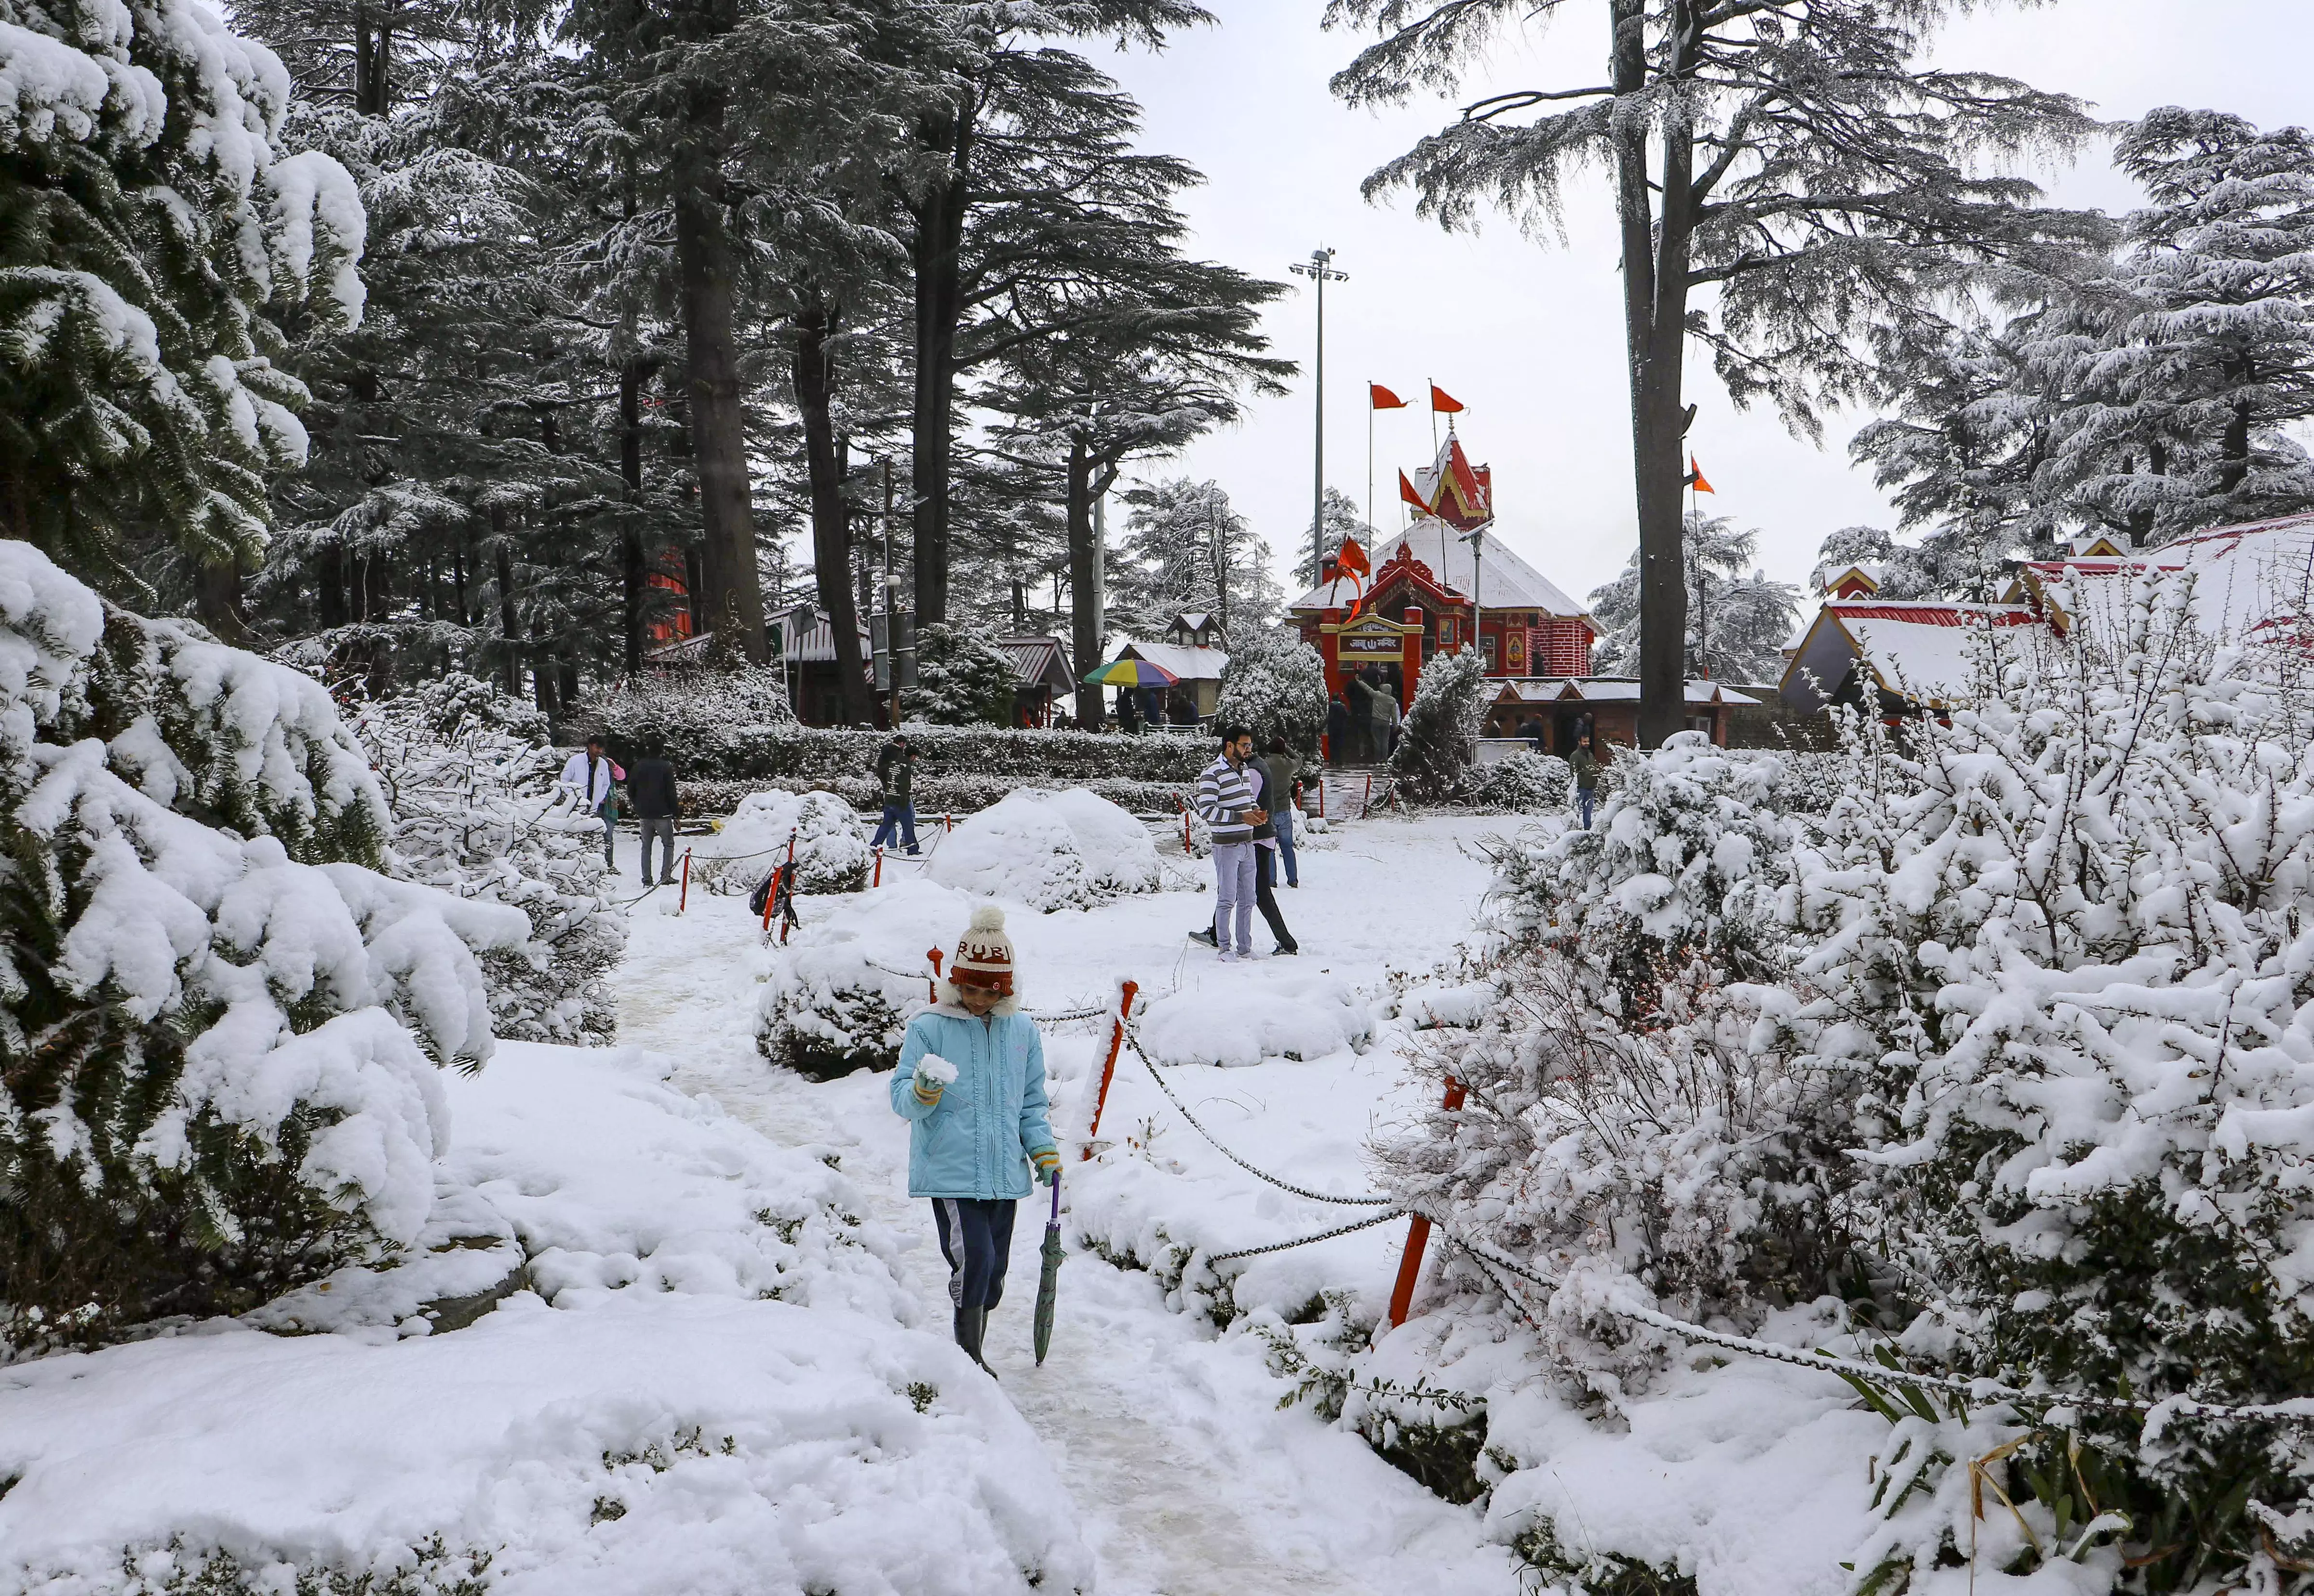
[{"x": 1319, "y": 269}]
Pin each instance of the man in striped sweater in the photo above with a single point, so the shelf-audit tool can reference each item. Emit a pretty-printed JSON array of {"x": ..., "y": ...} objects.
[{"x": 1225, "y": 800}]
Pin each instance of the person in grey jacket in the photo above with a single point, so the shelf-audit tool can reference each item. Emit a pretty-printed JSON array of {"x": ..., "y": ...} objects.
[{"x": 1284, "y": 798}]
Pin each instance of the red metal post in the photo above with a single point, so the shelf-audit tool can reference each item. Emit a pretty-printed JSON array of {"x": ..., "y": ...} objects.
[
  {"x": 1109, "y": 1070},
  {"x": 1418, "y": 1238},
  {"x": 1321, "y": 796},
  {"x": 1188, "y": 845},
  {"x": 878, "y": 879},
  {"x": 1368, "y": 802},
  {"x": 683, "y": 901},
  {"x": 932, "y": 987}
]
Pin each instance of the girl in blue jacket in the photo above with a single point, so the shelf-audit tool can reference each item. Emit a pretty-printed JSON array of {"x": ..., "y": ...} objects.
[{"x": 971, "y": 1084}]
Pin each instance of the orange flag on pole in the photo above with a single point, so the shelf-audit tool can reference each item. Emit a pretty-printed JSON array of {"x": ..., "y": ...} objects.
[
  {"x": 1406, "y": 492},
  {"x": 1695, "y": 477},
  {"x": 1383, "y": 399},
  {"x": 1443, "y": 402}
]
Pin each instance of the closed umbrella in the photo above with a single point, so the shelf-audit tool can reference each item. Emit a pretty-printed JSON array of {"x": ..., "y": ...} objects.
[{"x": 1048, "y": 1283}]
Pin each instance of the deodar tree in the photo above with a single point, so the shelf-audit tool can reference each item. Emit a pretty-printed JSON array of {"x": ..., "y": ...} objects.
[{"x": 1783, "y": 178}]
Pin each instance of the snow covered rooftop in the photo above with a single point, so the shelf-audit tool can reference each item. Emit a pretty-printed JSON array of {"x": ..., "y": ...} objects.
[
  {"x": 1190, "y": 663},
  {"x": 2251, "y": 581},
  {"x": 1037, "y": 661},
  {"x": 1918, "y": 650},
  {"x": 1599, "y": 690},
  {"x": 1505, "y": 582}
]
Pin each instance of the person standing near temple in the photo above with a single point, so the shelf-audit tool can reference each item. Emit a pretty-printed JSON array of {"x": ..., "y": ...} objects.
[
  {"x": 1226, "y": 803},
  {"x": 1284, "y": 800},
  {"x": 1337, "y": 731},
  {"x": 1586, "y": 765}
]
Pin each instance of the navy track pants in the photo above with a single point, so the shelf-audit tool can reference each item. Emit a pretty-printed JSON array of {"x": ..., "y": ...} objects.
[{"x": 976, "y": 1238}]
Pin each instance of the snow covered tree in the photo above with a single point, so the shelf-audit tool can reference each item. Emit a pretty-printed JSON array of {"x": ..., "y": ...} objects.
[
  {"x": 1738, "y": 624},
  {"x": 1185, "y": 549},
  {"x": 219, "y": 1024},
  {"x": 1440, "y": 740},
  {"x": 1783, "y": 180},
  {"x": 471, "y": 777},
  {"x": 151, "y": 217},
  {"x": 2179, "y": 393},
  {"x": 1275, "y": 683},
  {"x": 962, "y": 678}
]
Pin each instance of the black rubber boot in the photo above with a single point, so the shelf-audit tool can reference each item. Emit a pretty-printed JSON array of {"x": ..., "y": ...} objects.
[{"x": 971, "y": 1325}]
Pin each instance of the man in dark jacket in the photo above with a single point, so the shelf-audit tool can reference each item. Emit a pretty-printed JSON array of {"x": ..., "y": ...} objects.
[
  {"x": 1586, "y": 765},
  {"x": 1338, "y": 731},
  {"x": 895, "y": 774},
  {"x": 650, "y": 787},
  {"x": 1286, "y": 813}
]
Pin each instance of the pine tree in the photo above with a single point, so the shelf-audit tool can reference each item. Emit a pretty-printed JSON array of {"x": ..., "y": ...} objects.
[
  {"x": 1804, "y": 170},
  {"x": 1737, "y": 620},
  {"x": 962, "y": 677},
  {"x": 1275, "y": 683},
  {"x": 150, "y": 215},
  {"x": 1440, "y": 742},
  {"x": 219, "y": 1025},
  {"x": 1185, "y": 549}
]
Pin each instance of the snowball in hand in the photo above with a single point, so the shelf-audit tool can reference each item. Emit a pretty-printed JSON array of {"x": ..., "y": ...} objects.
[{"x": 933, "y": 1067}]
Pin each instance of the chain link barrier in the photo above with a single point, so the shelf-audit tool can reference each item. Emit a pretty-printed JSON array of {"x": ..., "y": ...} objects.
[{"x": 1355, "y": 1224}]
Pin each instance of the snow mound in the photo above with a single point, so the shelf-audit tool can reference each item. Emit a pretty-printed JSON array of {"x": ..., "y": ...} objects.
[
  {"x": 1428, "y": 1007},
  {"x": 636, "y": 1416},
  {"x": 831, "y": 846},
  {"x": 1289, "y": 1017},
  {"x": 1049, "y": 849}
]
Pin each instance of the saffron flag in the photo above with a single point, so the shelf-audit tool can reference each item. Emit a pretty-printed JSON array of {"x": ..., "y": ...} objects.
[
  {"x": 1351, "y": 560},
  {"x": 1695, "y": 477},
  {"x": 1443, "y": 402},
  {"x": 1383, "y": 399},
  {"x": 1406, "y": 490}
]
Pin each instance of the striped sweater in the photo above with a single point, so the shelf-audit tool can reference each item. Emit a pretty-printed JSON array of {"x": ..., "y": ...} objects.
[{"x": 1225, "y": 793}]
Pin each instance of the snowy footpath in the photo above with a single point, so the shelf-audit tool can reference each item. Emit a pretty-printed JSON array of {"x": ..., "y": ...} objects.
[{"x": 1186, "y": 1476}]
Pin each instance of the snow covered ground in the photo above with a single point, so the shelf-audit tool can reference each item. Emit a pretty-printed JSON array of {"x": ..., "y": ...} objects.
[{"x": 1185, "y": 1476}]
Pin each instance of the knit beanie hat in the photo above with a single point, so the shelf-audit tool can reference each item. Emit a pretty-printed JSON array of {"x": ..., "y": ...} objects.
[{"x": 984, "y": 955}]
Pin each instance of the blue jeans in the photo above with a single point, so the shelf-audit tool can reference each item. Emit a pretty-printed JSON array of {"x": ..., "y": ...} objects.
[
  {"x": 976, "y": 1238},
  {"x": 607, "y": 811},
  {"x": 1285, "y": 846},
  {"x": 899, "y": 822},
  {"x": 1583, "y": 796},
  {"x": 1233, "y": 889}
]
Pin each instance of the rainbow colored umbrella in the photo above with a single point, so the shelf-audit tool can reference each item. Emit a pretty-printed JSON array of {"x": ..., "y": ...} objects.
[{"x": 1130, "y": 673}]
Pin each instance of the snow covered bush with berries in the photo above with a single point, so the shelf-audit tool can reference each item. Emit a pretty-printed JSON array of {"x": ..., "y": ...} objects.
[
  {"x": 1050, "y": 851},
  {"x": 831, "y": 846},
  {"x": 218, "y": 1072},
  {"x": 472, "y": 780}
]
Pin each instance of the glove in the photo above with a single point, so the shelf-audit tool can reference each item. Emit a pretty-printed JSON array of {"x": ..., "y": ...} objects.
[
  {"x": 1047, "y": 1161},
  {"x": 934, "y": 1074}
]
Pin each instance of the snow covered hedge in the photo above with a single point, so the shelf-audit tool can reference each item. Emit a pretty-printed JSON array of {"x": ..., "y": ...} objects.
[
  {"x": 223, "y": 1026},
  {"x": 470, "y": 778}
]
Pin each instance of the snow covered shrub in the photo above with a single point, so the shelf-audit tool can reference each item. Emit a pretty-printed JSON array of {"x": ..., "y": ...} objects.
[
  {"x": 1049, "y": 851},
  {"x": 470, "y": 778},
  {"x": 1441, "y": 735},
  {"x": 2066, "y": 964},
  {"x": 221, "y": 1028},
  {"x": 831, "y": 846},
  {"x": 1526, "y": 783},
  {"x": 1685, "y": 859},
  {"x": 1275, "y": 683},
  {"x": 962, "y": 678},
  {"x": 841, "y": 992}
]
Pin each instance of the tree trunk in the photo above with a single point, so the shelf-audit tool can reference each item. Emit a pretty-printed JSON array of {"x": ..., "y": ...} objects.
[
  {"x": 1084, "y": 624},
  {"x": 509, "y": 633},
  {"x": 719, "y": 423},
  {"x": 814, "y": 374},
  {"x": 217, "y": 600},
  {"x": 938, "y": 251},
  {"x": 632, "y": 573},
  {"x": 329, "y": 586},
  {"x": 2233, "y": 464},
  {"x": 1655, "y": 313},
  {"x": 543, "y": 675},
  {"x": 458, "y": 574}
]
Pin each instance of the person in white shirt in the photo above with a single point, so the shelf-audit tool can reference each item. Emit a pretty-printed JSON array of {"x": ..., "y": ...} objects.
[{"x": 590, "y": 776}]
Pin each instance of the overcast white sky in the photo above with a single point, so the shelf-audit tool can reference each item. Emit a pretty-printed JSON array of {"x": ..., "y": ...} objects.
[{"x": 1528, "y": 335}]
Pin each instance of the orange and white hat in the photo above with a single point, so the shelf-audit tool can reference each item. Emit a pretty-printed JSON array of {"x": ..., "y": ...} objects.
[{"x": 984, "y": 954}]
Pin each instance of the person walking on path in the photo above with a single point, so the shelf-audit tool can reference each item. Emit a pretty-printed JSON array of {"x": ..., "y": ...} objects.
[
  {"x": 1386, "y": 719},
  {"x": 1587, "y": 777},
  {"x": 1226, "y": 803},
  {"x": 971, "y": 1084},
  {"x": 652, "y": 791},
  {"x": 895, "y": 774},
  {"x": 1337, "y": 731},
  {"x": 589, "y": 776},
  {"x": 1285, "y": 798}
]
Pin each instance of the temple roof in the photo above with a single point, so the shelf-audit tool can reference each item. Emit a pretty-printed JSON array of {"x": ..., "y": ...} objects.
[{"x": 1507, "y": 582}]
